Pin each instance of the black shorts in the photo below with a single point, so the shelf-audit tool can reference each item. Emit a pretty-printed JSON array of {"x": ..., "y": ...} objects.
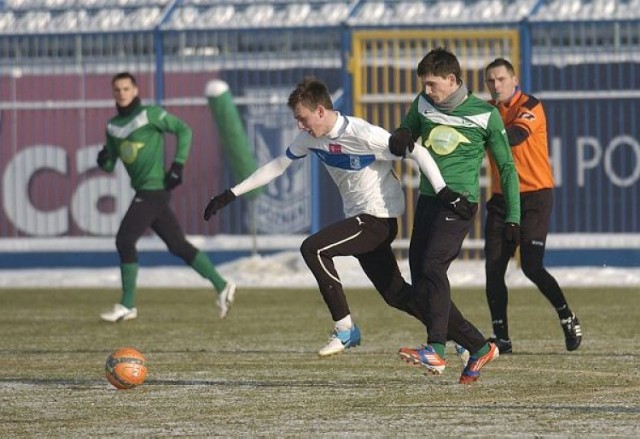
[{"x": 534, "y": 221}]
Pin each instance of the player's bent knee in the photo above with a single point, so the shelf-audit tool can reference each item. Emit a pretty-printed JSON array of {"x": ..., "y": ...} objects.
[
  {"x": 533, "y": 272},
  {"x": 184, "y": 251},
  {"x": 126, "y": 246},
  {"x": 308, "y": 248}
]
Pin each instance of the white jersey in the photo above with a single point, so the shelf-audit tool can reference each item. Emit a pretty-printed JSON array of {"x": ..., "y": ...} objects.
[{"x": 358, "y": 159}]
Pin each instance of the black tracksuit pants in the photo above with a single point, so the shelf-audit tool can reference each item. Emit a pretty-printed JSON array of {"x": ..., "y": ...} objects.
[
  {"x": 366, "y": 237},
  {"x": 151, "y": 209},
  {"x": 436, "y": 241},
  {"x": 534, "y": 226}
]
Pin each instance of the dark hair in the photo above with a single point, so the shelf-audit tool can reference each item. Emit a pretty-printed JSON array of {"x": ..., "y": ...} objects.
[
  {"x": 124, "y": 75},
  {"x": 310, "y": 93},
  {"x": 501, "y": 62},
  {"x": 440, "y": 62}
]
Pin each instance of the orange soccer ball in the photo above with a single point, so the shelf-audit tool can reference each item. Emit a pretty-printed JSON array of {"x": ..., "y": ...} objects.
[{"x": 126, "y": 368}]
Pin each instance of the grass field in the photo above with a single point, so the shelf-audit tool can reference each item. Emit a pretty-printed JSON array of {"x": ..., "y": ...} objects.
[{"x": 256, "y": 373}]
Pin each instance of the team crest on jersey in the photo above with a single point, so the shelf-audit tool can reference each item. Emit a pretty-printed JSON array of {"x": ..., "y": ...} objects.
[
  {"x": 335, "y": 148},
  {"x": 354, "y": 161},
  {"x": 129, "y": 151},
  {"x": 444, "y": 139}
]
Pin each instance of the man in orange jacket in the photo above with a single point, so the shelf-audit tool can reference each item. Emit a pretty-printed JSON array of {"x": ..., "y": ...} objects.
[{"x": 526, "y": 126}]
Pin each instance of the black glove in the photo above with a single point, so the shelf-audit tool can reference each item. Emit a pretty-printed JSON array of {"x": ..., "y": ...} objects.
[
  {"x": 174, "y": 176},
  {"x": 400, "y": 141},
  {"x": 218, "y": 202},
  {"x": 456, "y": 202},
  {"x": 103, "y": 156},
  {"x": 512, "y": 236}
]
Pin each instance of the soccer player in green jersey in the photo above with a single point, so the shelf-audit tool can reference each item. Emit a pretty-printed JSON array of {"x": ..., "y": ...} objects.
[
  {"x": 136, "y": 136},
  {"x": 457, "y": 129}
]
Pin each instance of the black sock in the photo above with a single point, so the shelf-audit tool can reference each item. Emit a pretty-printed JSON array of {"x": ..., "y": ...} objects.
[
  {"x": 564, "y": 312},
  {"x": 500, "y": 329}
]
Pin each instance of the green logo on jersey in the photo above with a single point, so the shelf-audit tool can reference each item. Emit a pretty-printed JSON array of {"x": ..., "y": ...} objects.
[
  {"x": 129, "y": 151},
  {"x": 445, "y": 139}
]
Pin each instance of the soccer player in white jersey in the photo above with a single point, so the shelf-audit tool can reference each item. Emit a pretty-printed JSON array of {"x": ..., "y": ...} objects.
[{"x": 357, "y": 157}]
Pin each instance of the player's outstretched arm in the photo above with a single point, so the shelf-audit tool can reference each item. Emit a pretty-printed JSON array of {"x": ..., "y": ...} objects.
[
  {"x": 218, "y": 202},
  {"x": 260, "y": 177},
  {"x": 428, "y": 166},
  {"x": 401, "y": 142},
  {"x": 452, "y": 200}
]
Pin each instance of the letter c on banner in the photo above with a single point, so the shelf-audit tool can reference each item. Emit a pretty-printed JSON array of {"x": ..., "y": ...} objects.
[{"x": 15, "y": 191}]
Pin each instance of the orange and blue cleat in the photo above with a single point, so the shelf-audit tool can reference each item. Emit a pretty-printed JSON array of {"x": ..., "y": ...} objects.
[
  {"x": 424, "y": 356},
  {"x": 471, "y": 372}
]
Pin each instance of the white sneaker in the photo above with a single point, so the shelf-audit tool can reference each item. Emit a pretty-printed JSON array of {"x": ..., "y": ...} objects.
[
  {"x": 340, "y": 341},
  {"x": 119, "y": 313},
  {"x": 225, "y": 299}
]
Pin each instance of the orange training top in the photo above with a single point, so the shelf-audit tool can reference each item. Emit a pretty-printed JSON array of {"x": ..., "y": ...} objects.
[{"x": 526, "y": 125}]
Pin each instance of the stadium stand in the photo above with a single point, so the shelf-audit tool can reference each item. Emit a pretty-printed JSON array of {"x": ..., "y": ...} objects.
[
  {"x": 48, "y": 16},
  {"x": 257, "y": 15},
  {"x": 440, "y": 12},
  {"x": 70, "y": 17},
  {"x": 581, "y": 10},
  {"x": 201, "y": 13},
  {"x": 79, "y": 4},
  {"x": 33, "y": 16}
]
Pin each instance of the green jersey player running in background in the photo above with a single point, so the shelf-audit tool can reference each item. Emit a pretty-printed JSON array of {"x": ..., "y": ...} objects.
[{"x": 136, "y": 136}]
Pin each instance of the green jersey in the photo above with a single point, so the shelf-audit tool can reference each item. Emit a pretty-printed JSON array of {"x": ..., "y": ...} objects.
[
  {"x": 138, "y": 139},
  {"x": 458, "y": 141}
]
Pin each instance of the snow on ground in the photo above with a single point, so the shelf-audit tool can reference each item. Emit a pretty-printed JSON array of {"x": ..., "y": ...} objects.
[{"x": 288, "y": 270}]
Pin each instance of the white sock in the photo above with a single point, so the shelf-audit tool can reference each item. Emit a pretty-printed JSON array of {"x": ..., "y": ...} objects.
[{"x": 344, "y": 324}]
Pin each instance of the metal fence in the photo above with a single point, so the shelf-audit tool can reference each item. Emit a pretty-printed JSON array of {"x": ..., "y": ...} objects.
[
  {"x": 588, "y": 77},
  {"x": 55, "y": 100}
]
